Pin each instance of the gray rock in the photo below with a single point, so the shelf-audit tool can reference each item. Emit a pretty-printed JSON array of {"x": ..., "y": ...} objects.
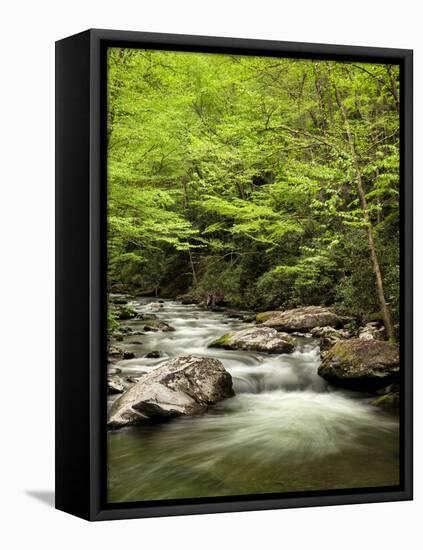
[
  {"x": 301, "y": 319},
  {"x": 156, "y": 326},
  {"x": 132, "y": 379},
  {"x": 114, "y": 351},
  {"x": 146, "y": 316},
  {"x": 372, "y": 331},
  {"x": 246, "y": 316},
  {"x": 365, "y": 365},
  {"x": 184, "y": 385},
  {"x": 111, "y": 369},
  {"x": 115, "y": 385},
  {"x": 154, "y": 306},
  {"x": 328, "y": 336},
  {"x": 154, "y": 354},
  {"x": 255, "y": 338},
  {"x": 188, "y": 299}
]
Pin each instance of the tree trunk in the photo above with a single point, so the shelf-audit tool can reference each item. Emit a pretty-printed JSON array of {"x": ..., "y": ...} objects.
[
  {"x": 393, "y": 89},
  {"x": 384, "y": 306},
  {"x": 320, "y": 97},
  {"x": 194, "y": 275}
]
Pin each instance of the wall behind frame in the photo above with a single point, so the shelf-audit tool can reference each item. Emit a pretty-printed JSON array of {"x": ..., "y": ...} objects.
[{"x": 27, "y": 223}]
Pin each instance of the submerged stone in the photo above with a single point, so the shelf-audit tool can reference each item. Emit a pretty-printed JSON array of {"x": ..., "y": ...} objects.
[{"x": 389, "y": 401}]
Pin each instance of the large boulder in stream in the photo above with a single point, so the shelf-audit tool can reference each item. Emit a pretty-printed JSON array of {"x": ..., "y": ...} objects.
[
  {"x": 301, "y": 319},
  {"x": 263, "y": 339},
  {"x": 183, "y": 386},
  {"x": 366, "y": 365}
]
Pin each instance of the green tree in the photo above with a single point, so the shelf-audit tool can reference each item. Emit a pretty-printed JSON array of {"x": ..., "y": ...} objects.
[{"x": 274, "y": 181}]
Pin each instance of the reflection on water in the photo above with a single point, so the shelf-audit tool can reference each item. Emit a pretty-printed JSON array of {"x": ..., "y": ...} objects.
[{"x": 285, "y": 430}]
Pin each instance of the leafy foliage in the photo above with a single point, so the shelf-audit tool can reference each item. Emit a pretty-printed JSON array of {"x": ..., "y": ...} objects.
[{"x": 233, "y": 174}]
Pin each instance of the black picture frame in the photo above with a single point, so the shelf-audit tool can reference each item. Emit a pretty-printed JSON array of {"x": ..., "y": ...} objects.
[{"x": 81, "y": 273}]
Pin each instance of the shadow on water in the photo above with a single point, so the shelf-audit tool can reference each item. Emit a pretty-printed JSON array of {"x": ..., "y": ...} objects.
[{"x": 45, "y": 497}]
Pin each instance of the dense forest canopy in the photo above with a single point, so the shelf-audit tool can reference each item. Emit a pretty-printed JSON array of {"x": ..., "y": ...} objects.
[{"x": 271, "y": 181}]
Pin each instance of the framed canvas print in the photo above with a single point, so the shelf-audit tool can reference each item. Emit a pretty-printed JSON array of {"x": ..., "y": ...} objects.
[{"x": 234, "y": 274}]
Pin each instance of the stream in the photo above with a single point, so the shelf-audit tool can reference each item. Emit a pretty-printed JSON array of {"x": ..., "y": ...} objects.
[{"x": 285, "y": 430}]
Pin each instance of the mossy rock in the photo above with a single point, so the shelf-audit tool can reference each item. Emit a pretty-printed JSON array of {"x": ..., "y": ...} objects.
[
  {"x": 389, "y": 401},
  {"x": 222, "y": 341},
  {"x": 262, "y": 339},
  {"x": 265, "y": 315},
  {"x": 125, "y": 312},
  {"x": 366, "y": 365}
]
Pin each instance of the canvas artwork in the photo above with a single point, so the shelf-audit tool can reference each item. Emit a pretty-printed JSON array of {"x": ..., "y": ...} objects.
[{"x": 253, "y": 273}]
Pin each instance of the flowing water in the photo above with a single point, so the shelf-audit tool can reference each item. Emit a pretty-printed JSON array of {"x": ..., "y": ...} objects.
[{"x": 285, "y": 430}]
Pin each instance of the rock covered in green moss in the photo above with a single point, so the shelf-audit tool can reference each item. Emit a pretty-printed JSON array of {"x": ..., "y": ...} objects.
[
  {"x": 255, "y": 338},
  {"x": 265, "y": 315},
  {"x": 389, "y": 401},
  {"x": 365, "y": 365}
]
